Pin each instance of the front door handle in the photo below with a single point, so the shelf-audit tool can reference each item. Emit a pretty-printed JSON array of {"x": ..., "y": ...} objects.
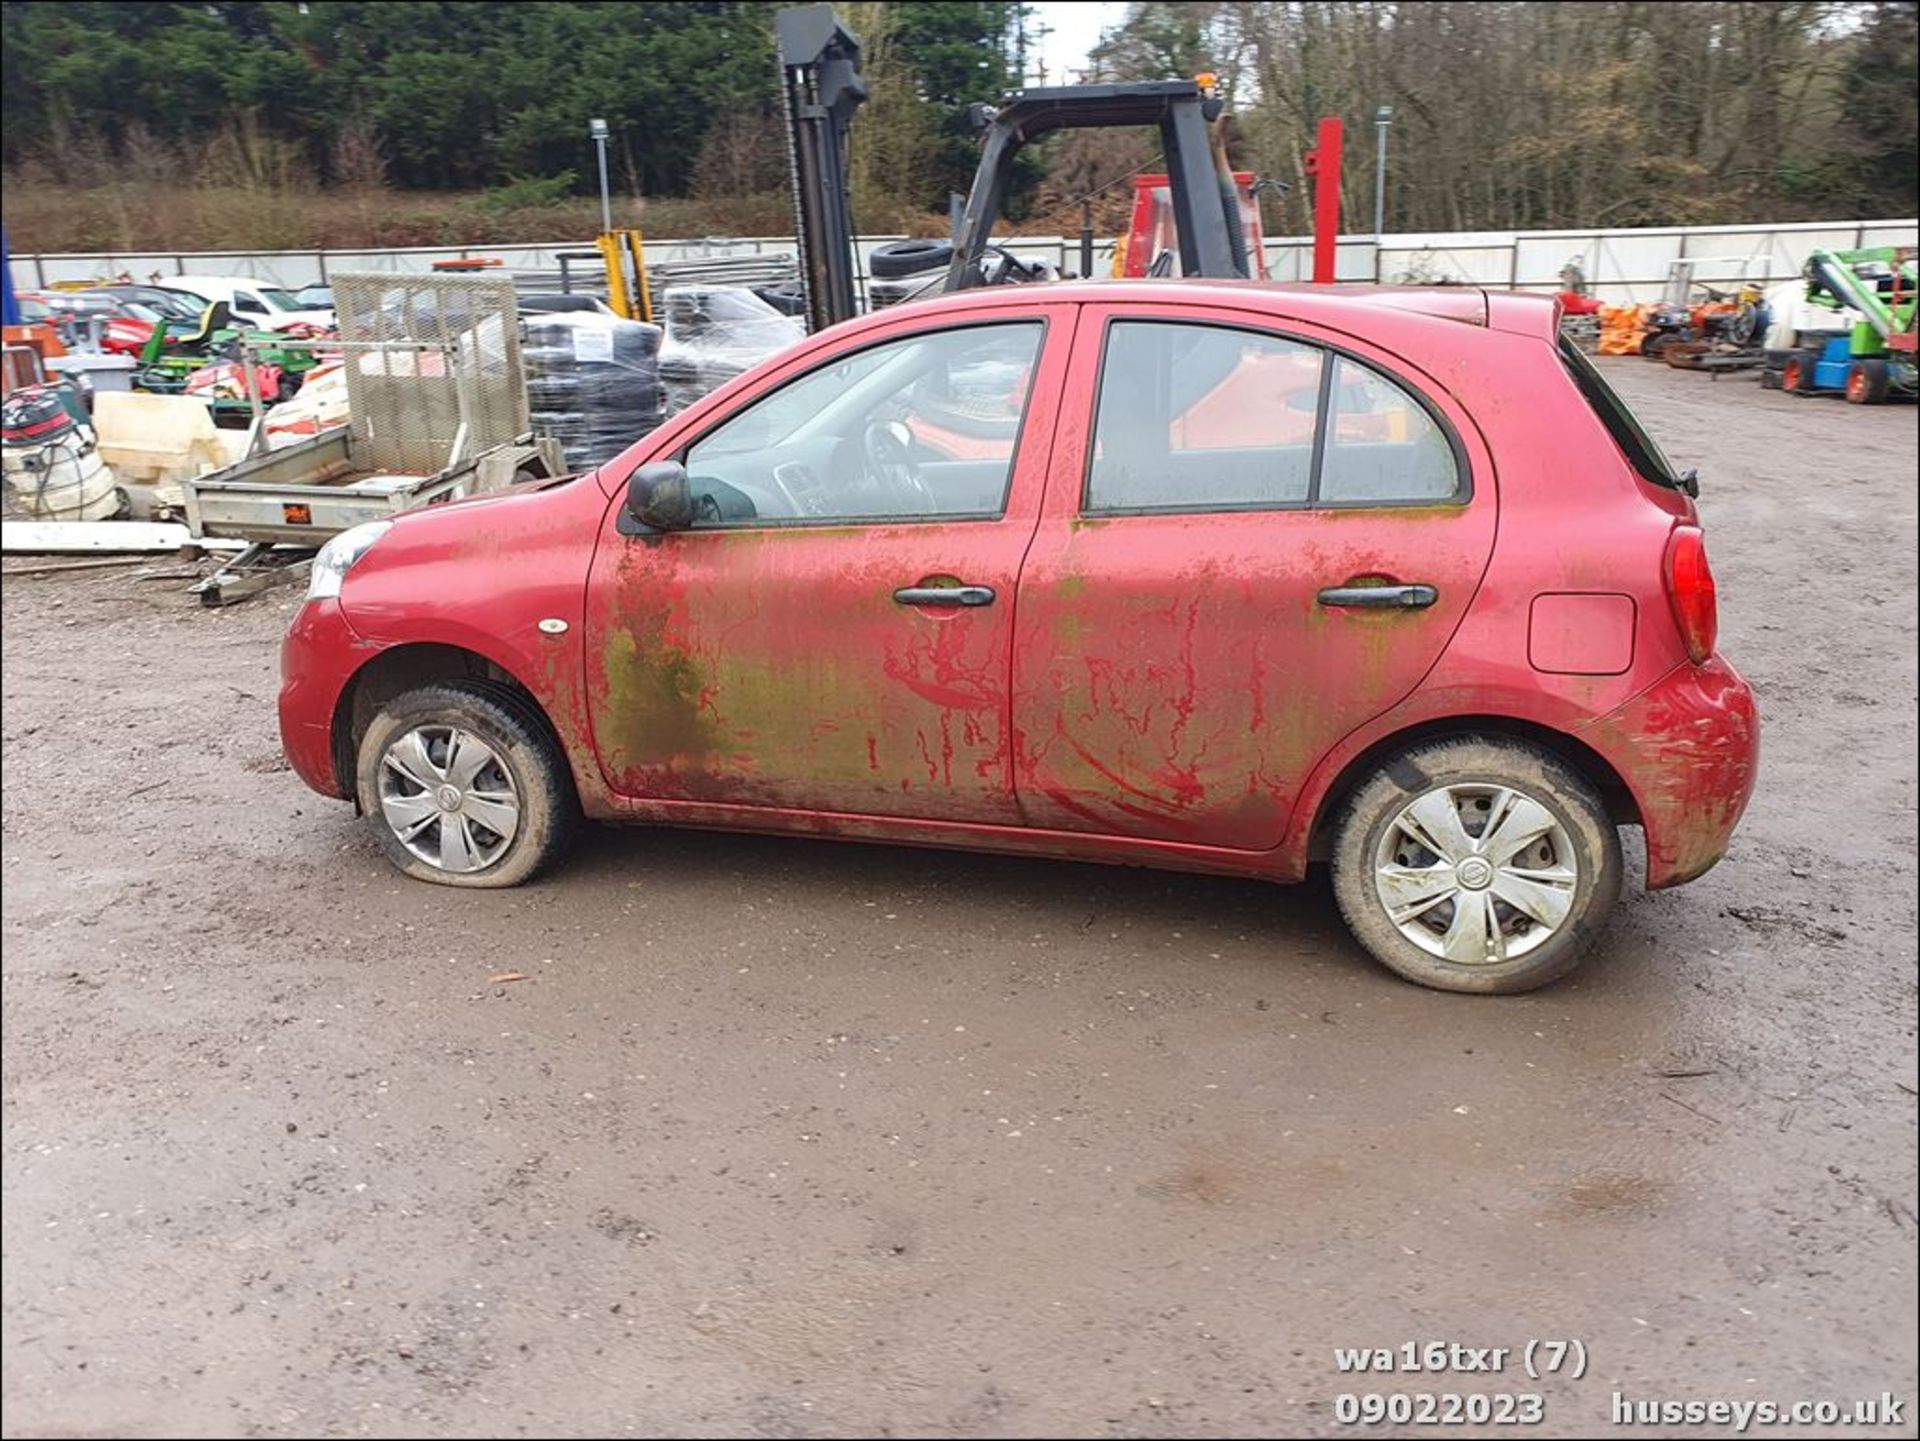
[
  {"x": 944, "y": 595},
  {"x": 1384, "y": 597}
]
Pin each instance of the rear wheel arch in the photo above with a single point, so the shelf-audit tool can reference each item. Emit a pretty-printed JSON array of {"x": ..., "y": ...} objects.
[
  {"x": 1593, "y": 767},
  {"x": 402, "y": 668}
]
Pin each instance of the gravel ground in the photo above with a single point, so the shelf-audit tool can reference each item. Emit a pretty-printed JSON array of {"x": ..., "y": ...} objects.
[{"x": 790, "y": 1138}]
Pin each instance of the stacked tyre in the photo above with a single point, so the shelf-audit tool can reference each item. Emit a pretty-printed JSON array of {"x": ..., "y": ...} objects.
[{"x": 593, "y": 383}]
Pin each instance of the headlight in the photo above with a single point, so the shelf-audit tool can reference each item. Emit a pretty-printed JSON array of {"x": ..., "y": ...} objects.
[{"x": 338, "y": 555}]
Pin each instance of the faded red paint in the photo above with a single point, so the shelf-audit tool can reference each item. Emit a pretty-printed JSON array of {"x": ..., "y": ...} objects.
[
  {"x": 1153, "y": 689},
  {"x": 1186, "y": 699},
  {"x": 1688, "y": 747}
]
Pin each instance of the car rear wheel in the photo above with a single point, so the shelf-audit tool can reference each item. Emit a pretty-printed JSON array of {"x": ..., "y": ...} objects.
[
  {"x": 1481, "y": 864},
  {"x": 464, "y": 786}
]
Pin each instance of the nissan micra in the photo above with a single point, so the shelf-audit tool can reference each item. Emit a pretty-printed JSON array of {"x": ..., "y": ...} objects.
[{"x": 1227, "y": 577}]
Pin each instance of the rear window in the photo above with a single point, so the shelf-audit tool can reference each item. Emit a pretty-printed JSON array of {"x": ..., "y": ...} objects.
[{"x": 1643, "y": 451}]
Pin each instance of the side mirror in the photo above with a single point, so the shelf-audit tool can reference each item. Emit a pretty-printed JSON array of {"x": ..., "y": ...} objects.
[{"x": 660, "y": 497}]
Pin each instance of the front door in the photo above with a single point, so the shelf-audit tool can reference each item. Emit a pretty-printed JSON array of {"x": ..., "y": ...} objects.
[
  {"x": 834, "y": 633},
  {"x": 1256, "y": 541}
]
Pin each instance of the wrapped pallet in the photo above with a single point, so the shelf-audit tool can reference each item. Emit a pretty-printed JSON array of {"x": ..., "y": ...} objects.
[
  {"x": 593, "y": 382},
  {"x": 715, "y": 332}
]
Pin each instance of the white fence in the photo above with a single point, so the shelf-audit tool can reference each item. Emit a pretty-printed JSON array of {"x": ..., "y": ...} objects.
[{"x": 1620, "y": 265}]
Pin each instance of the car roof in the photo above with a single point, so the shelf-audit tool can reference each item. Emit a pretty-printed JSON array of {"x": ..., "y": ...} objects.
[
  {"x": 1340, "y": 306},
  {"x": 221, "y": 282}
]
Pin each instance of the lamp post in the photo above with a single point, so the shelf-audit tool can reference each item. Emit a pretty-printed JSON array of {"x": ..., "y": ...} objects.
[
  {"x": 1382, "y": 118},
  {"x": 598, "y": 130}
]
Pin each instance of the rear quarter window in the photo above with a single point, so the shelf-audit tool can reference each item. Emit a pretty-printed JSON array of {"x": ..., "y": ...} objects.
[{"x": 1643, "y": 452}]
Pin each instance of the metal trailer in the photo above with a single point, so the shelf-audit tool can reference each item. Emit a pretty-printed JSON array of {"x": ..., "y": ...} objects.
[{"x": 437, "y": 408}]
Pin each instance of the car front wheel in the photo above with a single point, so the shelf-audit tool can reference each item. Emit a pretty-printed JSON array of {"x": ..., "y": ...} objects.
[
  {"x": 464, "y": 786},
  {"x": 1481, "y": 864}
]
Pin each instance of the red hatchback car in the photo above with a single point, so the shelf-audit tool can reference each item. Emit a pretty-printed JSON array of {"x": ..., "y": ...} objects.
[{"x": 1219, "y": 576}]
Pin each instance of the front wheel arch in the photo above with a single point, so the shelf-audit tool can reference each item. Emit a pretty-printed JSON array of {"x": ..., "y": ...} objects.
[
  {"x": 1598, "y": 772},
  {"x": 401, "y": 668}
]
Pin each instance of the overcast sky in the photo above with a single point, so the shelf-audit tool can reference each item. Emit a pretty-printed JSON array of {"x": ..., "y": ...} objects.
[{"x": 1074, "y": 26}]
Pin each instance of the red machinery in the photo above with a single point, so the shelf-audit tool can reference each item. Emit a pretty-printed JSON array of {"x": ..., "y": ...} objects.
[
  {"x": 1152, "y": 231},
  {"x": 1323, "y": 164}
]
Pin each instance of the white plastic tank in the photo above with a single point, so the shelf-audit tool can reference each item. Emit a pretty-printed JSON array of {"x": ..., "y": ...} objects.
[{"x": 64, "y": 479}]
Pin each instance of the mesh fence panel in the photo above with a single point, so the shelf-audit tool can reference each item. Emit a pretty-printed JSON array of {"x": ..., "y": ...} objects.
[{"x": 446, "y": 349}]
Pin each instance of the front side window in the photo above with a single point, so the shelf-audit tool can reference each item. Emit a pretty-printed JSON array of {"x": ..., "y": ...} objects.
[
  {"x": 1211, "y": 417},
  {"x": 919, "y": 428}
]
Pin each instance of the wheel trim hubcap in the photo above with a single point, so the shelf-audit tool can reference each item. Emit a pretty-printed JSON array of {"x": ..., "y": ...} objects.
[
  {"x": 448, "y": 797},
  {"x": 1476, "y": 873}
]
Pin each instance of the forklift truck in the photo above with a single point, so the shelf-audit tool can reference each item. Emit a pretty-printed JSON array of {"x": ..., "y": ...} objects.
[{"x": 820, "y": 70}]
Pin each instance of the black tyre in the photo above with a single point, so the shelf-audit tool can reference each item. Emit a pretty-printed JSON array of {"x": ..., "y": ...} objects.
[
  {"x": 1868, "y": 382},
  {"x": 464, "y": 786},
  {"x": 1480, "y": 864},
  {"x": 1796, "y": 376},
  {"x": 909, "y": 257}
]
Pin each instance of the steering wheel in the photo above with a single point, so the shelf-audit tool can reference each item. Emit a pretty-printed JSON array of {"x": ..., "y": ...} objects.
[
  {"x": 1000, "y": 266},
  {"x": 887, "y": 446}
]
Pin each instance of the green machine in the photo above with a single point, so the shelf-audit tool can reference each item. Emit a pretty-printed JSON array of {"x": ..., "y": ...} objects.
[
  {"x": 178, "y": 349},
  {"x": 1872, "y": 361}
]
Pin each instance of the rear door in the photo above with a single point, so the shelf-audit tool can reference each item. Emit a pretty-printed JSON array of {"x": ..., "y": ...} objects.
[{"x": 1255, "y": 538}]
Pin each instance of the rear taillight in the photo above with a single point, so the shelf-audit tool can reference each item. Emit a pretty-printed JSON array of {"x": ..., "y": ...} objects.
[{"x": 1690, "y": 589}]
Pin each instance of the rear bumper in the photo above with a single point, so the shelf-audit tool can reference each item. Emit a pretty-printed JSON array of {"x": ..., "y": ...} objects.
[
  {"x": 316, "y": 658},
  {"x": 1688, "y": 748}
]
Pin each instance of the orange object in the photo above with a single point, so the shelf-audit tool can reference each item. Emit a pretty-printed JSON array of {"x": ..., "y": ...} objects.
[
  {"x": 1623, "y": 328},
  {"x": 41, "y": 337}
]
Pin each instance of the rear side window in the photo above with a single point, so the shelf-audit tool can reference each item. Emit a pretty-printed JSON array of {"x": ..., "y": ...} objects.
[
  {"x": 1202, "y": 417},
  {"x": 1210, "y": 417},
  {"x": 1642, "y": 450},
  {"x": 1381, "y": 443}
]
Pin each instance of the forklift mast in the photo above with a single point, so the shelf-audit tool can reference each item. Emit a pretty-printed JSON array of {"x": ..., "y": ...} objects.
[
  {"x": 820, "y": 79},
  {"x": 1205, "y": 206}
]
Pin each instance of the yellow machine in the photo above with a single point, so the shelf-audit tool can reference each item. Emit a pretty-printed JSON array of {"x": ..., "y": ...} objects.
[{"x": 626, "y": 257}]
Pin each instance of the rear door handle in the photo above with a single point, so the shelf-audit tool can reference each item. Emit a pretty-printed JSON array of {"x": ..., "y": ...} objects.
[
  {"x": 944, "y": 595},
  {"x": 1384, "y": 597}
]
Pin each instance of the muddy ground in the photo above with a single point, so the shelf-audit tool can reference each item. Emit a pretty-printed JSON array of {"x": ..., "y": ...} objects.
[{"x": 790, "y": 1138}]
